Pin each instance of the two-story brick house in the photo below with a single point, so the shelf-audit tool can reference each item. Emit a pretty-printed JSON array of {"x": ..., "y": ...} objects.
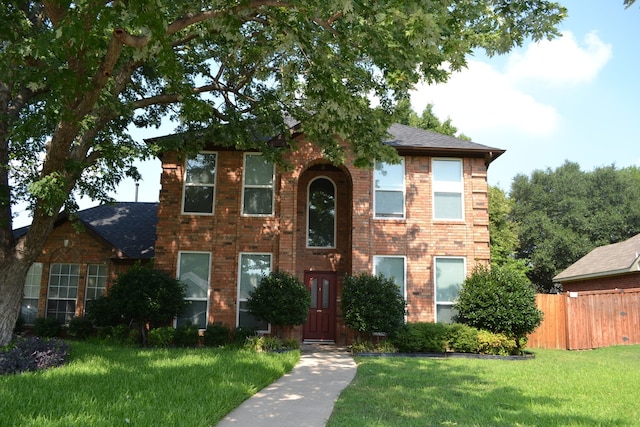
[{"x": 226, "y": 217}]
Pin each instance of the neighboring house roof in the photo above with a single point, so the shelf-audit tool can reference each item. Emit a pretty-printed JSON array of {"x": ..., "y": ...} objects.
[
  {"x": 609, "y": 260},
  {"x": 130, "y": 227},
  {"x": 419, "y": 141}
]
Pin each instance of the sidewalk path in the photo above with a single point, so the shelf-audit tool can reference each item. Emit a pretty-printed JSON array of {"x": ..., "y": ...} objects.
[{"x": 302, "y": 398}]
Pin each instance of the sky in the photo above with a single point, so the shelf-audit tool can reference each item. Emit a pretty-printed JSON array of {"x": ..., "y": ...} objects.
[{"x": 574, "y": 98}]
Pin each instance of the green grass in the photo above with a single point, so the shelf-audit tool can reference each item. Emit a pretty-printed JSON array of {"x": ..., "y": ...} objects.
[
  {"x": 109, "y": 386},
  {"x": 557, "y": 388}
]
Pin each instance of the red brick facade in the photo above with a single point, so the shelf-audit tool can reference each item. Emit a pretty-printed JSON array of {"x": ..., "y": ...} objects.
[
  {"x": 360, "y": 237},
  {"x": 622, "y": 281}
]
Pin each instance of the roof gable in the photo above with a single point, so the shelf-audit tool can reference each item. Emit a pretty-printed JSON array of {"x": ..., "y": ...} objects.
[
  {"x": 608, "y": 260},
  {"x": 130, "y": 227}
]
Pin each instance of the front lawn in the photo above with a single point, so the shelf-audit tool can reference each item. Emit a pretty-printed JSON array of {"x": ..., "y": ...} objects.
[
  {"x": 111, "y": 385},
  {"x": 557, "y": 388}
]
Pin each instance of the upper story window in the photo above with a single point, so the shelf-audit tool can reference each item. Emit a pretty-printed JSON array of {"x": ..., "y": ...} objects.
[
  {"x": 257, "y": 190},
  {"x": 199, "y": 184},
  {"x": 321, "y": 230},
  {"x": 389, "y": 186},
  {"x": 448, "y": 189}
]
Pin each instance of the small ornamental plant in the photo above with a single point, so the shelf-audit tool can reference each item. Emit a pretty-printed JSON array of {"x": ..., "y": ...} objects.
[{"x": 280, "y": 299}]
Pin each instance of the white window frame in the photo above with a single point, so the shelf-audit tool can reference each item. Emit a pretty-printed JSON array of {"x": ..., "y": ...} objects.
[
  {"x": 32, "y": 285},
  {"x": 262, "y": 186},
  {"x": 335, "y": 212},
  {"x": 239, "y": 299},
  {"x": 450, "y": 187},
  {"x": 74, "y": 299},
  {"x": 436, "y": 303},
  {"x": 383, "y": 185},
  {"x": 404, "y": 270},
  {"x": 97, "y": 278},
  {"x": 201, "y": 299},
  {"x": 213, "y": 185}
]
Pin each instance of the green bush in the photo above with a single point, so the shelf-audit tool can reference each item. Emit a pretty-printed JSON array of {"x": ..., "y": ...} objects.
[
  {"x": 280, "y": 299},
  {"x": 372, "y": 304},
  {"x": 462, "y": 338},
  {"x": 499, "y": 300},
  {"x": 262, "y": 344},
  {"x": 421, "y": 337},
  {"x": 161, "y": 337},
  {"x": 496, "y": 343},
  {"x": 80, "y": 328},
  {"x": 186, "y": 335},
  {"x": 241, "y": 334},
  {"x": 47, "y": 327},
  {"x": 119, "y": 334},
  {"x": 216, "y": 335},
  {"x": 141, "y": 296}
]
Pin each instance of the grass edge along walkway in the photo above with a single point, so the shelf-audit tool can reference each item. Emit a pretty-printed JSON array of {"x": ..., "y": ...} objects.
[
  {"x": 557, "y": 387},
  {"x": 111, "y": 385}
]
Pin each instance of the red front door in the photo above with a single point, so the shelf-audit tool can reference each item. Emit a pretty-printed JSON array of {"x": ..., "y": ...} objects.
[{"x": 321, "y": 322}]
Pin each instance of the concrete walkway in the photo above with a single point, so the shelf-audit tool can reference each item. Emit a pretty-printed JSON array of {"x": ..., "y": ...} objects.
[{"x": 302, "y": 398}]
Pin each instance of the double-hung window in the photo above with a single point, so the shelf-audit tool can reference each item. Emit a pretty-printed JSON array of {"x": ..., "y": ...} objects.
[
  {"x": 29, "y": 309},
  {"x": 253, "y": 267},
  {"x": 449, "y": 275},
  {"x": 257, "y": 189},
  {"x": 391, "y": 267},
  {"x": 389, "y": 190},
  {"x": 448, "y": 189},
  {"x": 193, "y": 272},
  {"x": 96, "y": 283},
  {"x": 63, "y": 291},
  {"x": 199, "y": 184}
]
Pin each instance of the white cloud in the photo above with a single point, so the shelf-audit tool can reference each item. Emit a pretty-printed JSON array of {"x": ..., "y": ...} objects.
[
  {"x": 560, "y": 61},
  {"x": 482, "y": 97}
]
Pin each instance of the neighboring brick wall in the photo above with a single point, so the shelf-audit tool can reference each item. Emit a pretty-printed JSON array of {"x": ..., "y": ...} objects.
[
  {"x": 624, "y": 281},
  {"x": 360, "y": 237},
  {"x": 81, "y": 247}
]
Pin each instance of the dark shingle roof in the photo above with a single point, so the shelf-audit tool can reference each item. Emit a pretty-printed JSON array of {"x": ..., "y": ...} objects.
[
  {"x": 130, "y": 227},
  {"x": 609, "y": 260},
  {"x": 414, "y": 140}
]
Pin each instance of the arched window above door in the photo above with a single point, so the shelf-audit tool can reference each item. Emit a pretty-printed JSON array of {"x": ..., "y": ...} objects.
[{"x": 321, "y": 214}]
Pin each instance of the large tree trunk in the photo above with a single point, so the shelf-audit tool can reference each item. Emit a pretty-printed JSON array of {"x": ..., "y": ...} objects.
[{"x": 13, "y": 272}]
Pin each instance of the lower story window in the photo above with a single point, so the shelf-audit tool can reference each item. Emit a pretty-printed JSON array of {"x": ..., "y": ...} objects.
[
  {"x": 96, "y": 283},
  {"x": 29, "y": 309},
  {"x": 449, "y": 275},
  {"x": 392, "y": 267},
  {"x": 253, "y": 266},
  {"x": 193, "y": 272},
  {"x": 63, "y": 291}
]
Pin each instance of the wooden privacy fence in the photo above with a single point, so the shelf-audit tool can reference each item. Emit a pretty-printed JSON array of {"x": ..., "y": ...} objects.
[{"x": 589, "y": 319}]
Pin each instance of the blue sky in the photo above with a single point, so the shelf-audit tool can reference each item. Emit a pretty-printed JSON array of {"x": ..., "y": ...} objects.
[{"x": 574, "y": 98}]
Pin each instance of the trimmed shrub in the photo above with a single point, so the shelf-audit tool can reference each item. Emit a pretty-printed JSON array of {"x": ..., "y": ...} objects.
[
  {"x": 421, "y": 337},
  {"x": 47, "y": 327},
  {"x": 496, "y": 343},
  {"x": 372, "y": 304},
  {"x": 80, "y": 328},
  {"x": 216, "y": 335},
  {"x": 462, "y": 338},
  {"x": 32, "y": 354},
  {"x": 161, "y": 337},
  {"x": 186, "y": 335},
  {"x": 499, "y": 300},
  {"x": 280, "y": 299}
]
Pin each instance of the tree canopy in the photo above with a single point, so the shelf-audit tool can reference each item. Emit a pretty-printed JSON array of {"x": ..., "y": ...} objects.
[
  {"x": 563, "y": 214},
  {"x": 75, "y": 75},
  {"x": 405, "y": 115}
]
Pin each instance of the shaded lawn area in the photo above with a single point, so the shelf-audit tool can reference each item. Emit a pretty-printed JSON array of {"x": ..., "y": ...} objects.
[
  {"x": 558, "y": 388},
  {"x": 111, "y": 385}
]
